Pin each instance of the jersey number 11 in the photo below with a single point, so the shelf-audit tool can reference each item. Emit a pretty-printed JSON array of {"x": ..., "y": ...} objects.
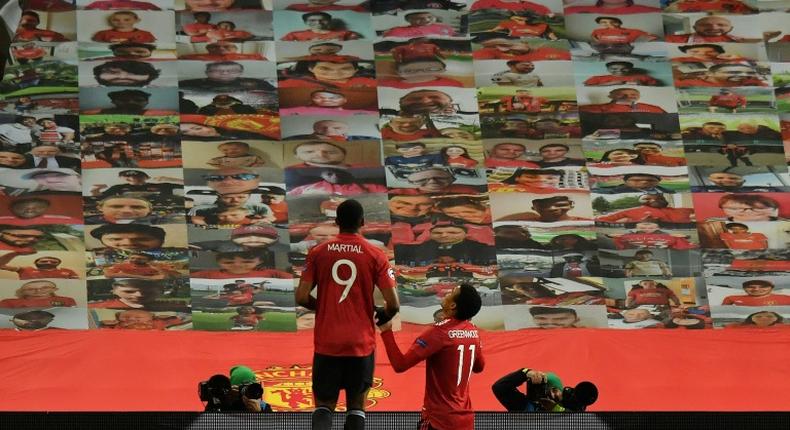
[{"x": 461, "y": 355}]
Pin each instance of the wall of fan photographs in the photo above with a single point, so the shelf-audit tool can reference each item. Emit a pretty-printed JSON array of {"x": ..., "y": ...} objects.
[{"x": 620, "y": 163}]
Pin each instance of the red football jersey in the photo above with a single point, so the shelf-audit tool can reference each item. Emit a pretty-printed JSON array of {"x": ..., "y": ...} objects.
[
  {"x": 728, "y": 100},
  {"x": 452, "y": 351},
  {"x": 769, "y": 300},
  {"x": 617, "y": 35},
  {"x": 113, "y": 36},
  {"x": 42, "y": 302},
  {"x": 345, "y": 270},
  {"x": 33, "y": 273}
]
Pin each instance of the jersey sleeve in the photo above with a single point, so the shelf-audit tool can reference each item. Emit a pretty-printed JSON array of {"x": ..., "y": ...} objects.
[
  {"x": 308, "y": 273},
  {"x": 428, "y": 343},
  {"x": 385, "y": 276},
  {"x": 480, "y": 362}
]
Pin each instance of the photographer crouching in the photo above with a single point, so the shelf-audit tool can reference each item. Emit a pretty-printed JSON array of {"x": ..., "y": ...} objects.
[
  {"x": 545, "y": 393},
  {"x": 240, "y": 393}
]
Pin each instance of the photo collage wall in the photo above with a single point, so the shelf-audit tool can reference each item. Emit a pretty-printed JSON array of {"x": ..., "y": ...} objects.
[{"x": 167, "y": 165}]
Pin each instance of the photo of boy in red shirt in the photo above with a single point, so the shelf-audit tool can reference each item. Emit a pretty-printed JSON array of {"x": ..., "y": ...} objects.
[{"x": 123, "y": 29}]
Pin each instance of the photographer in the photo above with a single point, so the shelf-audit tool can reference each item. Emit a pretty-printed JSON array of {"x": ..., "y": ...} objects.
[
  {"x": 545, "y": 393},
  {"x": 240, "y": 393}
]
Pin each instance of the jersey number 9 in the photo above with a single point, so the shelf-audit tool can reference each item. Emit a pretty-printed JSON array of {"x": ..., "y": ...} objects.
[{"x": 348, "y": 282}]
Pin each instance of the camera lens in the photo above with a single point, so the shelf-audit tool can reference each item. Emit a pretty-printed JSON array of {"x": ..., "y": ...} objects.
[{"x": 252, "y": 391}]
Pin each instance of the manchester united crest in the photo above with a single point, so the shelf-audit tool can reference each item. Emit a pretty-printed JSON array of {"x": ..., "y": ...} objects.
[{"x": 289, "y": 388}]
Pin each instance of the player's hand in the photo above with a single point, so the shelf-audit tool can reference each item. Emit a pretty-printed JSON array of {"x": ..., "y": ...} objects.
[
  {"x": 381, "y": 317},
  {"x": 387, "y": 326}
]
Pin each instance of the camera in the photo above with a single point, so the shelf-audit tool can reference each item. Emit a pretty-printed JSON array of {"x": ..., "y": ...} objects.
[
  {"x": 253, "y": 390},
  {"x": 219, "y": 395},
  {"x": 215, "y": 392},
  {"x": 536, "y": 392}
]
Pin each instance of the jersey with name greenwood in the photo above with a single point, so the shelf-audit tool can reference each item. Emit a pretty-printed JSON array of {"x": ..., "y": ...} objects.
[
  {"x": 452, "y": 351},
  {"x": 345, "y": 270}
]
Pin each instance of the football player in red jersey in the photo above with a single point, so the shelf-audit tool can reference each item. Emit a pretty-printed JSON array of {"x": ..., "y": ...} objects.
[
  {"x": 345, "y": 270},
  {"x": 452, "y": 351}
]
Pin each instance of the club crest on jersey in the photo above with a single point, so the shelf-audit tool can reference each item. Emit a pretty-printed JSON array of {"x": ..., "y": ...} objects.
[
  {"x": 391, "y": 273},
  {"x": 289, "y": 388}
]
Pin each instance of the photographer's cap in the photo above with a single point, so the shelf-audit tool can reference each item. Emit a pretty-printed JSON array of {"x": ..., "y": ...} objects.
[
  {"x": 241, "y": 375},
  {"x": 554, "y": 381}
]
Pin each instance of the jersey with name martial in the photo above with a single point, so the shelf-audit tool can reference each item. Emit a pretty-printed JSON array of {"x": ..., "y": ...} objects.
[
  {"x": 451, "y": 349},
  {"x": 345, "y": 270}
]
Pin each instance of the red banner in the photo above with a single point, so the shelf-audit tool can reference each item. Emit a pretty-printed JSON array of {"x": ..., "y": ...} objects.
[{"x": 638, "y": 370}]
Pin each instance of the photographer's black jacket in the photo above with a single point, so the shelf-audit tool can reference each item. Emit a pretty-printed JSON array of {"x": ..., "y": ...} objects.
[{"x": 506, "y": 390}]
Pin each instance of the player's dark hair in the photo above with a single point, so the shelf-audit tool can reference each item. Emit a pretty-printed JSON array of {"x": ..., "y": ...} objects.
[
  {"x": 623, "y": 63},
  {"x": 113, "y": 95},
  {"x": 350, "y": 216},
  {"x": 611, "y": 18},
  {"x": 128, "y": 66},
  {"x": 19, "y": 119},
  {"x": 467, "y": 302},
  {"x": 638, "y": 285},
  {"x": 551, "y": 200},
  {"x": 224, "y": 63},
  {"x": 736, "y": 224},
  {"x": 406, "y": 17},
  {"x": 124, "y": 173},
  {"x": 32, "y": 199},
  {"x": 197, "y": 14},
  {"x": 147, "y": 46},
  {"x": 232, "y": 24},
  {"x": 149, "y": 230},
  {"x": 554, "y": 145},
  {"x": 50, "y": 257},
  {"x": 321, "y": 14},
  {"x": 750, "y": 319},
  {"x": 235, "y": 142},
  {"x": 716, "y": 48},
  {"x": 762, "y": 282},
  {"x": 631, "y": 175},
  {"x": 643, "y": 252},
  {"x": 34, "y": 315},
  {"x": 33, "y": 14}
]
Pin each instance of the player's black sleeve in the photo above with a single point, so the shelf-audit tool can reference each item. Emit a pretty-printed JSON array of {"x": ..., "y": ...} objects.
[{"x": 506, "y": 390}]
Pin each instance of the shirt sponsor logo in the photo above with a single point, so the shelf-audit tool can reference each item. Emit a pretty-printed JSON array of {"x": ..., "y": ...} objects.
[
  {"x": 344, "y": 247},
  {"x": 421, "y": 342},
  {"x": 462, "y": 334}
]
